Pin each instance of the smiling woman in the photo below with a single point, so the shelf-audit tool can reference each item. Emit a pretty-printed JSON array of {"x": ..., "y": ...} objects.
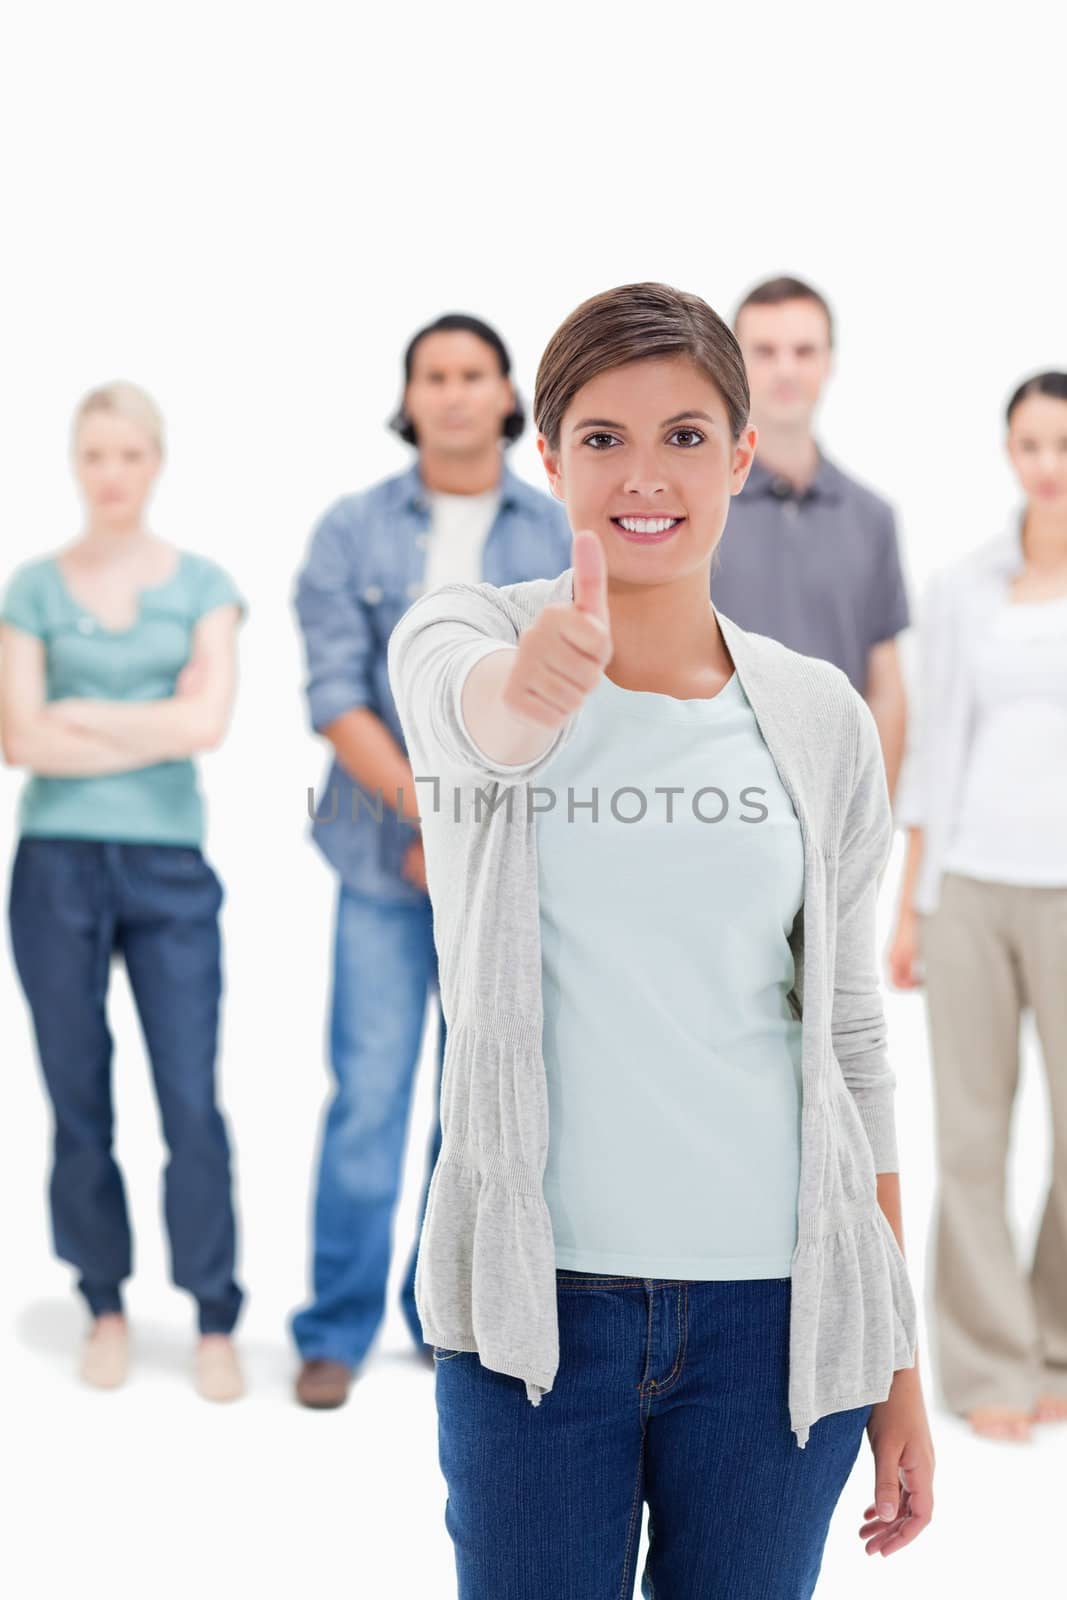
[{"x": 650, "y": 1205}]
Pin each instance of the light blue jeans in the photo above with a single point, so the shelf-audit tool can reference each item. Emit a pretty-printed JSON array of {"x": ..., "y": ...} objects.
[{"x": 385, "y": 965}]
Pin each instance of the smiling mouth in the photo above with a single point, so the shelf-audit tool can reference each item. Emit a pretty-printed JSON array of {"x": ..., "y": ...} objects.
[{"x": 647, "y": 525}]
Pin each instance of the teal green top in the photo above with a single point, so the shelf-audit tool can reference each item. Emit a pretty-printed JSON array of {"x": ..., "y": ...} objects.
[{"x": 157, "y": 804}]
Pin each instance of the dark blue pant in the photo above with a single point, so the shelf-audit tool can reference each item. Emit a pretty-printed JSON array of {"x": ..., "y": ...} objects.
[
  {"x": 385, "y": 966},
  {"x": 671, "y": 1393},
  {"x": 72, "y": 903}
]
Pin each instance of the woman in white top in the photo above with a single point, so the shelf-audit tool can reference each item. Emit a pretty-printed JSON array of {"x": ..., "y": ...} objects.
[{"x": 983, "y": 923}]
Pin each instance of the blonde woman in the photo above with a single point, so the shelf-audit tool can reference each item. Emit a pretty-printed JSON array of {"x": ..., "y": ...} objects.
[
  {"x": 118, "y": 668},
  {"x": 983, "y": 924},
  {"x": 661, "y": 1256}
]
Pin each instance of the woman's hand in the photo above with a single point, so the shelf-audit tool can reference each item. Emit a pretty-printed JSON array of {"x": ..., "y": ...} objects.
[
  {"x": 561, "y": 656},
  {"x": 903, "y": 1467},
  {"x": 903, "y": 954}
]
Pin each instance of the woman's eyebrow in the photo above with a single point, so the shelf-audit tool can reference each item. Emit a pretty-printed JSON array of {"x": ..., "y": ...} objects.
[{"x": 603, "y": 422}]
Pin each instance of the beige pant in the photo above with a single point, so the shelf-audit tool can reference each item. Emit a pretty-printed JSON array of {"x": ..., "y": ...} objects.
[{"x": 989, "y": 950}]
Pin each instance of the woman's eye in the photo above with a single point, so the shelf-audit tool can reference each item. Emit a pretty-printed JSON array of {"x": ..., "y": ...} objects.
[{"x": 693, "y": 434}]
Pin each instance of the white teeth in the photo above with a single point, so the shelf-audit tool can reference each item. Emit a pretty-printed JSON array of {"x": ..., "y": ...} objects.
[{"x": 648, "y": 524}]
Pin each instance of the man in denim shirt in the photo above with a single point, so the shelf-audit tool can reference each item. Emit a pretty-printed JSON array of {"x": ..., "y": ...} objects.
[{"x": 458, "y": 512}]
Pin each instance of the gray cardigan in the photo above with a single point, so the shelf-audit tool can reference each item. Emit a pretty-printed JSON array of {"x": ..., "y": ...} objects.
[{"x": 486, "y": 1267}]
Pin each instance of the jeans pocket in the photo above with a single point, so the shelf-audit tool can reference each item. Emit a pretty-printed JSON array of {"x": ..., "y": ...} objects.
[
  {"x": 178, "y": 870},
  {"x": 164, "y": 859},
  {"x": 441, "y": 1353},
  {"x": 180, "y": 855}
]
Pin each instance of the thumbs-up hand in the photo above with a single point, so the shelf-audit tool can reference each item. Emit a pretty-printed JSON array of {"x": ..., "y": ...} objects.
[{"x": 562, "y": 654}]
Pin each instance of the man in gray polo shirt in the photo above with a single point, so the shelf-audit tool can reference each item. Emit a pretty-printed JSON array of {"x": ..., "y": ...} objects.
[{"x": 810, "y": 556}]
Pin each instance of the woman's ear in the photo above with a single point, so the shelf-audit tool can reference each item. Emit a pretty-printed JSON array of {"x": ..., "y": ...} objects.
[
  {"x": 551, "y": 461},
  {"x": 744, "y": 455}
]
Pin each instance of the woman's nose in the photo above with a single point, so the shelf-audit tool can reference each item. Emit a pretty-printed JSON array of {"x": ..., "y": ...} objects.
[{"x": 644, "y": 485}]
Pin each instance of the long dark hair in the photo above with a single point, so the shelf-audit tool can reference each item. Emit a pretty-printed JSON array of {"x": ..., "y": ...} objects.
[{"x": 459, "y": 322}]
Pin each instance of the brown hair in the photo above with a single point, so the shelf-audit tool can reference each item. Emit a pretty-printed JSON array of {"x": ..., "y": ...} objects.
[
  {"x": 776, "y": 291},
  {"x": 637, "y": 322}
]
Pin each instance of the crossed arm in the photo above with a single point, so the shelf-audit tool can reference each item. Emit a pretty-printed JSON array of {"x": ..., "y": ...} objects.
[{"x": 76, "y": 737}]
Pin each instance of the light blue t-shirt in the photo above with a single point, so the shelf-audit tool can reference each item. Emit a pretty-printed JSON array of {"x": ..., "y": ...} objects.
[
  {"x": 672, "y": 1053},
  {"x": 157, "y": 804}
]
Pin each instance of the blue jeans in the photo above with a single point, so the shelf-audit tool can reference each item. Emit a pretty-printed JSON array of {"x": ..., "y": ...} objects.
[
  {"x": 73, "y": 903},
  {"x": 385, "y": 965},
  {"x": 669, "y": 1392}
]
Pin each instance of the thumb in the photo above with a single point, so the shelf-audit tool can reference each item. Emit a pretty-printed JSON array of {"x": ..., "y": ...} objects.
[
  {"x": 887, "y": 1482},
  {"x": 590, "y": 574}
]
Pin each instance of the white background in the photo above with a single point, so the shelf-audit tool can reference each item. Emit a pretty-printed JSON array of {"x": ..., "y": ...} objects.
[{"x": 248, "y": 209}]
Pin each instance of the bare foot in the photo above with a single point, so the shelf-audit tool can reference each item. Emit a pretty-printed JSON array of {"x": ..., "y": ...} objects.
[
  {"x": 1001, "y": 1422},
  {"x": 106, "y": 1353},
  {"x": 1050, "y": 1408},
  {"x": 218, "y": 1372}
]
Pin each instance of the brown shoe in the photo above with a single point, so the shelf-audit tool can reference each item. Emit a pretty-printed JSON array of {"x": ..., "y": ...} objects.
[{"x": 323, "y": 1384}]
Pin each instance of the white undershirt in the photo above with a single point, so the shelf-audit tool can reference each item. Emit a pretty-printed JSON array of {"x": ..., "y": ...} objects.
[
  {"x": 460, "y": 524},
  {"x": 1012, "y": 823}
]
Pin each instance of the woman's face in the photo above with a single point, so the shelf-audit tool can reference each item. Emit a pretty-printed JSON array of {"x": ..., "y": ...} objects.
[
  {"x": 650, "y": 439},
  {"x": 1037, "y": 446},
  {"x": 115, "y": 463}
]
